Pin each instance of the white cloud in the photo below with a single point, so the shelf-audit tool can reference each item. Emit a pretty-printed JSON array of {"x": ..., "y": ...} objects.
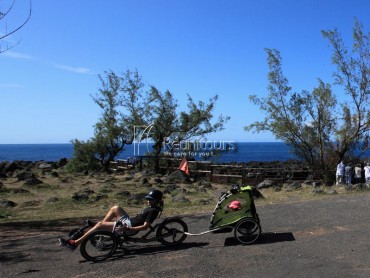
[
  {"x": 17, "y": 55},
  {"x": 73, "y": 69}
]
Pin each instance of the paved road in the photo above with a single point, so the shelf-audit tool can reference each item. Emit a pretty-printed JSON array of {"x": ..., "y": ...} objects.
[{"x": 321, "y": 238}]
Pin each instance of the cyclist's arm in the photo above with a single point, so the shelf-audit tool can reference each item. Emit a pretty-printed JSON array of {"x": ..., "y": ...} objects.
[{"x": 143, "y": 227}]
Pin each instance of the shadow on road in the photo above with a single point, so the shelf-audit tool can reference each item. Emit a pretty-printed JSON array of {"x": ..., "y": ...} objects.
[
  {"x": 133, "y": 251},
  {"x": 265, "y": 238}
]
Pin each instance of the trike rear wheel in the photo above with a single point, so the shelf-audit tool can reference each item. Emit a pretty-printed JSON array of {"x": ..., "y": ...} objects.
[
  {"x": 172, "y": 231},
  {"x": 247, "y": 230},
  {"x": 99, "y": 246}
]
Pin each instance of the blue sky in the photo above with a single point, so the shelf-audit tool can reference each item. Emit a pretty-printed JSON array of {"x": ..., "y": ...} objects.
[{"x": 195, "y": 47}]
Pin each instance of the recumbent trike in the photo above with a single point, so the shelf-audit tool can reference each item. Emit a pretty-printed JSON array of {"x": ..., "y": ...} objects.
[{"x": 240, "y": 217}]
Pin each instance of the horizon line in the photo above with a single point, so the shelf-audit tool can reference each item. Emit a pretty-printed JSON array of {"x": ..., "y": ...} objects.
[{"x": 68, "y": 143}]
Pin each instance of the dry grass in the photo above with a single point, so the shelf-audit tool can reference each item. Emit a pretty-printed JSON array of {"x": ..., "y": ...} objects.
[{"x": 52, "y": 200}]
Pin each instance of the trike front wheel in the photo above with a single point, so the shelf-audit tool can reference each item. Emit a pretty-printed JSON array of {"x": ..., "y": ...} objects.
[
  {"x": 98, "y": 246},
  {"x": 172, "y": 231},
  {"x": 247, "y": 230}
]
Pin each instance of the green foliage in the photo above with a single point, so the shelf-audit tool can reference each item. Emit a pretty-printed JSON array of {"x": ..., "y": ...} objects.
[
  {"x": 125, "y": 105},
  {"x": 170, "y": 127},
  {"x": 303, "y": 120},
  {"x": 309, "y": 121},
  {"x": 114, "y": 128},
  {"x": 353, "y": 75},
  {"x": 84, "y": 157}
]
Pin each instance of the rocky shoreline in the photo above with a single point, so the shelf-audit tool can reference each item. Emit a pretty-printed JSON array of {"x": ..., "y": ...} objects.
[
  {"x": 7, "y": 168},
  {"x": 36, "y": 185}
]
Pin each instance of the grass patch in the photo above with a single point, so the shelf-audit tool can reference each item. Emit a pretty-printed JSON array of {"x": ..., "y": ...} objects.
[{"x": 4, "y": 213}]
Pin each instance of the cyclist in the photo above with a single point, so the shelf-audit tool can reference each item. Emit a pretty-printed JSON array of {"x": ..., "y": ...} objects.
[{"x": 140, "y": 222}]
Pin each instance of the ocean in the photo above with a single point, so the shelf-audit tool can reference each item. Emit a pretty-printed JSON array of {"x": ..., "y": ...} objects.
[{"x": 244, "y": 152}]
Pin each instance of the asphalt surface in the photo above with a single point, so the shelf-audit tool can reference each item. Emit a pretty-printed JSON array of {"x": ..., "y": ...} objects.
[{"x": 316, "y": 238}]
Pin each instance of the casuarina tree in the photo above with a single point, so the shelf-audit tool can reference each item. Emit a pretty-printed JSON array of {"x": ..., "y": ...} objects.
[
  {"x": 114, "y": 129},
  {"x": 172, "y": 128},
  {"x": 322, "y": 127},
  {"x": 353, "y": 76},
  {"x": 301, "y": 119},
  {"x": 126, "y": 106}
]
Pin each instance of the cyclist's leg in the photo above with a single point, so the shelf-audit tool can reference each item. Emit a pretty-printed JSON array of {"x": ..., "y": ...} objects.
[
  {"x": 100, "y": 226},
  {"x": 115, "y": 212}
]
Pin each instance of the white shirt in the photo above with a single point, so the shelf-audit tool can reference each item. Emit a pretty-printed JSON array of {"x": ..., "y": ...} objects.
[
  {"x": 340, "y": 169},
  {"x": 367, "y": 172},
  {"x": 358, "y": 172}
]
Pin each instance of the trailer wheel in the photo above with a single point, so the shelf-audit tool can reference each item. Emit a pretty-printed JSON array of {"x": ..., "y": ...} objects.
[{"x": 247, "y": 230}]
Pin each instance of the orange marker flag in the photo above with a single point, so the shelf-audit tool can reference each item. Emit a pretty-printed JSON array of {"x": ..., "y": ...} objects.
[{"x": 184, "y": 166}]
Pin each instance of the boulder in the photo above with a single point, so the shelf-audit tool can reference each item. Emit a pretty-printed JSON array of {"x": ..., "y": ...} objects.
[
  {"x": 52, "y": 200},
  {"x": 20, "y": 191},
  {"x": 292, "y": 186},
  {"x": 25, "y": 175},
  {"x": 316, "y": 183},
  {"x": 144, "y": 181},
  {"x": 65, "y": 179},
  {"x": 62, "y": 162},
  {"x": 78, "y": 196},
  {"x": 146, "y": 173},
  {"x": 204, "y": 202},
  {"x": 178, "y": 177},
  {"x": 331, "y": 191},
  {"x": 170, "y": 188},
  {"x": 7, "y": 204},
  {"x": 128, "y": 177},
  {"x": 10, "y": 167},
  {"x": 158, "y": 180},
  {"x": 83, "y": 195},
  {"x": 267, "y": 184},
  {"x": 45, "y": 166},
  {"x": 137, "y": 198},
  {"x": 54, "y": 174},
  {"x": 204, "y": 184},
  {"x": 32, "y": 181},
  {"x": 100, "y": 196},
  {"x": 32, "y": 203},
  {"x": 317, "y": 190},
  {"x": 181, "y": 199},
  {"x": 124, "y": 193}
]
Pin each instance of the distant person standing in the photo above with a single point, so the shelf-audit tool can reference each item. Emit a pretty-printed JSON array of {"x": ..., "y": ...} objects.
[
  {"x": 367, "y": 172},
  {"x": 358, "y": 173},
  {"x": 348, "y": 174},
  {"x": 340, "y": 173}
]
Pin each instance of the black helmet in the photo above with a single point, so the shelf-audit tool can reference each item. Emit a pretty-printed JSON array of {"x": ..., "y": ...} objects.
[
  {"x": 155, "y": 194},
  {"x": 235, "y": 189}
]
